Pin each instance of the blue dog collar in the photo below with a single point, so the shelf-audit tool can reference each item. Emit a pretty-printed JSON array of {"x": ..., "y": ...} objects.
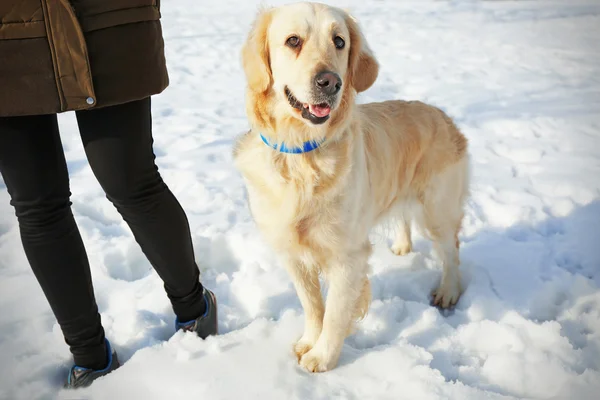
[{"x": 306, "y": 146}]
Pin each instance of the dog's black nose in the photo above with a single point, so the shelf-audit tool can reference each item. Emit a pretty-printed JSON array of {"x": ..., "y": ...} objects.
[{"x": 328, "y": 82}]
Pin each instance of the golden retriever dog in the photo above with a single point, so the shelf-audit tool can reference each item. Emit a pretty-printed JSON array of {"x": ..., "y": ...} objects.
[{"x": 321, "y": 171}]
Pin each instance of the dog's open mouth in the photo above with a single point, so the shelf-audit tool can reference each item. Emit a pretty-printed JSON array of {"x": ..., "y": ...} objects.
[{"x": 315, "y": 113}]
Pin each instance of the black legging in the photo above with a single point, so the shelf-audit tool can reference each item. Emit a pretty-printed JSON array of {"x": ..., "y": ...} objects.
[{"x": 118, "y": 144}]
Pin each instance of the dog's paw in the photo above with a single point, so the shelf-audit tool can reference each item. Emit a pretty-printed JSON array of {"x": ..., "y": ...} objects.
[
  {"x": 317, "y": 361},
  {"x": 307, "y": 341},
  {"x": 301, "y": 347},
  {"x": 401, "y": 249},
  {"x": 447, "y": 294}
]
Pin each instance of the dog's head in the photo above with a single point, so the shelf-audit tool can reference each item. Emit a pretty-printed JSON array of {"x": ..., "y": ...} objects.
[{"x": 307, "y": 56}]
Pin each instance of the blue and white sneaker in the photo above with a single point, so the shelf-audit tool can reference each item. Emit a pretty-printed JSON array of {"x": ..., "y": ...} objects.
[
  {"x": 205, "y": 325},
  {"x": 82, "y": 377}
]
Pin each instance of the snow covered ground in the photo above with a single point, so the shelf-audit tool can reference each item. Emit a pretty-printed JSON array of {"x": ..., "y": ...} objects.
[{"x": 522, "y": 80}]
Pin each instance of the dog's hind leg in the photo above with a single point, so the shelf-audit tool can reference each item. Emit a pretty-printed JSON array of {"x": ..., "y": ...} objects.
[
  {"x": 308, "y": 289},
  {"x": 402, "y": 244},
  {"x": 449, "y": 291},
  {"x": 442, "y": 216}
]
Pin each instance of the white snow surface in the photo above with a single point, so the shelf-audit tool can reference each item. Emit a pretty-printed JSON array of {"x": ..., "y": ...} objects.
[{"x": 522, "y": 80}]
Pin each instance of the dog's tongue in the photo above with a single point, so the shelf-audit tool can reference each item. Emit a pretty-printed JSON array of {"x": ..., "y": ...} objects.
[{"x": 319, "y": 110}]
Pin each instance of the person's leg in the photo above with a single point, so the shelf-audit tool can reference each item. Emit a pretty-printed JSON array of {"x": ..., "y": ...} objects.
[
  {"x": 118, "y": 143},
  {"x": 33, "y": 167}
]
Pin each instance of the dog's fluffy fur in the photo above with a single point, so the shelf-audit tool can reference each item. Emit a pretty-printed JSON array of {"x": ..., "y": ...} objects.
[{"x": 396, "y": 159}]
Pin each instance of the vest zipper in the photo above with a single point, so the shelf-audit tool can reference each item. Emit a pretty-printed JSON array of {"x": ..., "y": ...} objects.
[{"x": 50, "y": 36}]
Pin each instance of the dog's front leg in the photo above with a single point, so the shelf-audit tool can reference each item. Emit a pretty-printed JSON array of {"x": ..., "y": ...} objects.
[
  {"x": 346, "y": 280},
  {"x": 308, "y": 288}
]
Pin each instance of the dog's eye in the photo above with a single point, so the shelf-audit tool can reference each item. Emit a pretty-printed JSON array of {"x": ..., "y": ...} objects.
[
  {"x": 339, "y": 42},
  {"x": 293, "y": 41}
]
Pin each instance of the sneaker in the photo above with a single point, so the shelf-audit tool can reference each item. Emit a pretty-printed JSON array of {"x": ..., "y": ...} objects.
[
  {"x": 206, "y": 324},
  {"x": 83, "y": 377}
]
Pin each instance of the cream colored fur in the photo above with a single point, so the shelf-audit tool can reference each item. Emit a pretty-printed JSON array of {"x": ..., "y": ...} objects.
[{"x": 396, "y": 159}]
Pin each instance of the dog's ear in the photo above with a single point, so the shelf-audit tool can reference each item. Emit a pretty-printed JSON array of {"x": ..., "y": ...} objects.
[
  {"x": 362, "y": 65},
  {"x": 255, "y": 54}
]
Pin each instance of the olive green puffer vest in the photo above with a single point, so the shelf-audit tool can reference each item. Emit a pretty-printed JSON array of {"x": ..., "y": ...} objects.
[{"x": 61, "y": 55}]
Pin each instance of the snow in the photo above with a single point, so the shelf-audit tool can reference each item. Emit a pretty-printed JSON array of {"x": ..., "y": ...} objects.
[{"x": 522, "y": 80}]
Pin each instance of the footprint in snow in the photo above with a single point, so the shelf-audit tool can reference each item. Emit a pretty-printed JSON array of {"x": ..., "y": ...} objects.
[{"x": 130, "y": 267}]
